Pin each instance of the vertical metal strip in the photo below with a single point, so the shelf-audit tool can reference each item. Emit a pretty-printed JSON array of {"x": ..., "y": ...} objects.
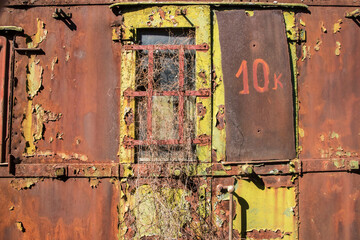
[
  {"x": 181, "y": 94},
  {"x": 2, "y": 95},
  {"x": 150, "y": 94}
]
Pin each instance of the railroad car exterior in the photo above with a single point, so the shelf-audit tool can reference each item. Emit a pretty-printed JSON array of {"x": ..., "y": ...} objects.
[{"x": 179, "y": 120}]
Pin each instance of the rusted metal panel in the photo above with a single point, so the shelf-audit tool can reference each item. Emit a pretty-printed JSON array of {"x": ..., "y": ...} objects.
[
  {"x": 58, "y": 210},
  {"x": 70, "y": 112},
  {"x": 328, "y": 85},
  {"x": 3, "y": 70},
  {"x": 258, "y": 88},
  {"x": 329, "y": 206},
  {"x": 97, "y": 2}
]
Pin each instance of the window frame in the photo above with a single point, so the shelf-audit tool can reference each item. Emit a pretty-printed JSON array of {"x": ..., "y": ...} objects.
[{"x": 196, "y": 17}]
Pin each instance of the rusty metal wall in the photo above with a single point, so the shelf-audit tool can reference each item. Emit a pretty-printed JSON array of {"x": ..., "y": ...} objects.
[
  {"x": 328, "y": 124},
  {"x": 53, "y": 209},
  {"x": 106, "y": 2},
  {"x": 78, "y": 123},
  {"x": 78, "y": 84}
]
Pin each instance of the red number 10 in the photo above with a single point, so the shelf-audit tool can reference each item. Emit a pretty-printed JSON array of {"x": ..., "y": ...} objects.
[{"x": 243, "y": 70}]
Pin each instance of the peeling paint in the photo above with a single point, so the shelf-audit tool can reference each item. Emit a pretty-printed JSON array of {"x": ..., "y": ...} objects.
[
  {"x": 337, "y": 26},
  {"x": 317, "y": 45},
  {"x": 302, "y": 23},
  {"x": 94, "y": 182},
  {"x": 41, "y": 117},
  {"x": 249, "y": 13},
  {"x": 20, "y": 226},
  {"x": 323, "y": 28},
  {"x": 34, "y": 77},
  {"x": 337, "y": 49},
  {"x": 24, "y": 183},
  {"x": 301, "y": 132},
  {"x": 264, "y": 208},
  {"x": 266, "y": 234}
]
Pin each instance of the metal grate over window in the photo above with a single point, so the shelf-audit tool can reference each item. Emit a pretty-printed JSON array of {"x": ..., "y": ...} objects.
[{"x": 165, "y": 96}]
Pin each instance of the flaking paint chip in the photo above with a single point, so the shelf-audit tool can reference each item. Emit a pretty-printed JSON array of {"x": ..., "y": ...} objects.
[
  {"x": 338, "y": 47},
  {"x": 317, "y": 46},
  {"x": 20, "y": 226},
  {"x": 337, "y": 26}
]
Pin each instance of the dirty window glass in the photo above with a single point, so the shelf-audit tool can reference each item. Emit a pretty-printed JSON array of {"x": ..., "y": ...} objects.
[{"x": 170, "y": 116}]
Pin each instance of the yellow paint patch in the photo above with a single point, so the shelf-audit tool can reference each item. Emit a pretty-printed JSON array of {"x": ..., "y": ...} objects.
[
  {"x": 323, "y": 28},
  {"x": 20, "y": 226},
  {"x": 302, "y": 23},
  {"x": 24, "y": 183},
  {"x": 28, "y": 130},
  {"x": 218, "y": 135},
  {"x": 301, "y": 132},
  {"x": 337, "y": 26},
  {"x": 270, "y": 208},
  {"x": 317, "y": 46},
  {"x": 39, "y": 36},
  {"x": 33, "y": 77},
  {"x": 249, "y": 13},
  {"x": 337, "y": 49}
]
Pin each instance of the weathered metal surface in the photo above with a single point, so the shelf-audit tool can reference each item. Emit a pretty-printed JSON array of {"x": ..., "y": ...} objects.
[
  {"x": 178, "y": 210},
  {"x": 243, "y": 2},
  {"x": 329, "y": 206},
  {"x": 252, "y": 201},
  {"x": 328, "y": 93},
  {"x": 165, "y": 17},
  {"x": 259, "y": 111},
  {"x": 328, "y": 125},
  {"x": 3, "y": 68},
  {"x": 76, "y": 77},
  {"x": 58, "y": 210}
]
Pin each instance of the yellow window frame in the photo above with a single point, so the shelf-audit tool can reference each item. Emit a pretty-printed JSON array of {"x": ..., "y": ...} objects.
[{"x": 196, "y": 17}]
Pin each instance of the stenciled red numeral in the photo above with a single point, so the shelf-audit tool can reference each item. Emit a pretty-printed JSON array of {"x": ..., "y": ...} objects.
[
  {"x": 266, "y": 75},
  {"x": 244, "y": 71}
]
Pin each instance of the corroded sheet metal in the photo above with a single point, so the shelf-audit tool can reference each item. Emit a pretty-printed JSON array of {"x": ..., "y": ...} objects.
[
  {"x": 329, "y": 206},
  {"x": 258, "y": 88},
  {"x": 86, "y": 2},
  {"x": 3, "y": 67},
  {"x": 329, "y": 85},
  {"x": 53, "y": 209},
  {"x": 66, "y": 101},
  {"x": 259, "y": 212}
]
